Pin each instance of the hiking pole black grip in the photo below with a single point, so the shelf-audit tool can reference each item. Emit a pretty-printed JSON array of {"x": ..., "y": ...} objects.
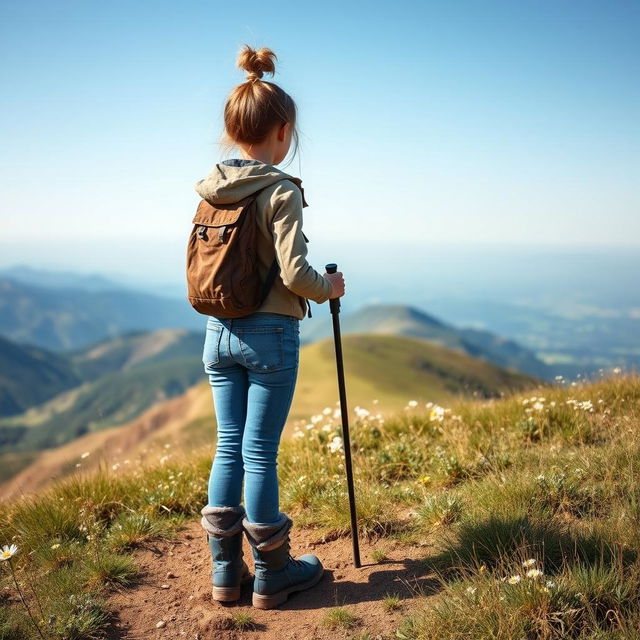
[{"x": 334, "y": 304}]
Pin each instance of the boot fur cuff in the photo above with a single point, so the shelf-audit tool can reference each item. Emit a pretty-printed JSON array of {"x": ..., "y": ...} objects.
[
  {"x": 222, "y": 522},
  {"x": 267, "y": 536}
]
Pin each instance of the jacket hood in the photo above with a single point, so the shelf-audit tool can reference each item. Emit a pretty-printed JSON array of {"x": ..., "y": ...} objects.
[{"x": 228, "y": 183}]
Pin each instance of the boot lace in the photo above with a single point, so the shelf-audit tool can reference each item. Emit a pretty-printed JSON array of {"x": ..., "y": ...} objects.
[{"x": 298, "y": 563}]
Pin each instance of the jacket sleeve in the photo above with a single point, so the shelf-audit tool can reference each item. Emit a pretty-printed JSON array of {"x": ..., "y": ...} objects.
[{"x": 291, "y": 248}]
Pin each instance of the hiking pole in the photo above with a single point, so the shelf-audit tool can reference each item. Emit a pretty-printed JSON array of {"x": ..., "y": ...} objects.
[{"x": 334, "y": 305}]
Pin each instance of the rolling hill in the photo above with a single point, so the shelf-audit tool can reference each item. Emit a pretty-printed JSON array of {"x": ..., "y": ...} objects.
[{"x": 409, "y": 321}]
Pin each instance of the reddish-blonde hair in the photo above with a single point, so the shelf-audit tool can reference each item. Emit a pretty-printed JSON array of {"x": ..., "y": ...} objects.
[{"x": 256, "y": 106}]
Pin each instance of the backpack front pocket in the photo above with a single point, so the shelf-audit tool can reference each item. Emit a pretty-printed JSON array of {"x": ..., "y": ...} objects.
[{"x": 261, "y": 347}]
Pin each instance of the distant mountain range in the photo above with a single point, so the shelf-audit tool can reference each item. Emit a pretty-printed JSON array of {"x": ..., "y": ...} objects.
[{"x": 60, "y": 318}]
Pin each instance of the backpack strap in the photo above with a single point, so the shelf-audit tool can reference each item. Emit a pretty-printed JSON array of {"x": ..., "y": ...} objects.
[{"x": 271, "y": 276}]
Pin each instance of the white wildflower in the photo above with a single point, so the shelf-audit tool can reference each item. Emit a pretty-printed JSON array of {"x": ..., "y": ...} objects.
[
  {"x": 514, "y": 579},
  {"x": 8, "y": 551},
  {"x": 534, "y": 573},
  {"x": 361, "y": 412},
  {"x": 335, "y": 444},
  {"x": 529, "y": 563}
]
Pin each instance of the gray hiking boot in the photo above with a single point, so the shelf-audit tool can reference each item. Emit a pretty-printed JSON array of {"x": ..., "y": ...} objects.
[
  {"x": 277, "y": 574},
  {"x": 224, "y": 537}
]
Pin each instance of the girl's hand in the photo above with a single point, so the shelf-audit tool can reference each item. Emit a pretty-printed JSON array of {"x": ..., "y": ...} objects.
[{"x": 337, "y": 283}]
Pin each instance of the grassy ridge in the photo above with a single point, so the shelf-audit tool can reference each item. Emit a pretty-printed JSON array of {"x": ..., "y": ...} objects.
[
  {"x": 392, "y": 368},
  {"x": 528, "y": 507}
]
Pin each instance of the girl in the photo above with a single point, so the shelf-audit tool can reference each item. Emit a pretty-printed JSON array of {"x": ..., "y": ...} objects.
[{"x": 252, "y": 361}]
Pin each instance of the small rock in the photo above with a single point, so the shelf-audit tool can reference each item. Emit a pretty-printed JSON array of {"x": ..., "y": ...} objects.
[
  {"x": 171, "y": 575},
  {"x": 164, "y": 586},
  {"x": 160, "y": 624}
]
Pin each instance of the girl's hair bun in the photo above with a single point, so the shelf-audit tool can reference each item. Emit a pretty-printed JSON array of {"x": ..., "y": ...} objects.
[{"x": 256, "y": 61}]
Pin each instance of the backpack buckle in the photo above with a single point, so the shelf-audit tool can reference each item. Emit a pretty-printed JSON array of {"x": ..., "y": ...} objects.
[{"x": 202, "y": 233}]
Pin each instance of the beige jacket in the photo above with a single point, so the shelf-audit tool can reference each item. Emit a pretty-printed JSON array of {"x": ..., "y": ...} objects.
[{"x": 279, "y": 210}]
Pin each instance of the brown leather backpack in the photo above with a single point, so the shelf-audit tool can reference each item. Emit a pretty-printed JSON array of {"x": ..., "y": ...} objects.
[{"x": 222, "y": 260}]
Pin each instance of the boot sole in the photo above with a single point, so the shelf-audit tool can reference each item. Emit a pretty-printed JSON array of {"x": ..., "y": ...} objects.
[
  {"x": 269, "y": 602},
  {"x": 229, "y": 594},
  {"x": 225, "y": 594}
]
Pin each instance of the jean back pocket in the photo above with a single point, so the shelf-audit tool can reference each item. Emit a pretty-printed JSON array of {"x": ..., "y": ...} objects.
[{"x": 261, "y": 347}]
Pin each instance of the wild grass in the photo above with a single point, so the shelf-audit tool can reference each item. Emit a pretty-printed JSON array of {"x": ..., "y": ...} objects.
[
  {"x": 340, "y": 618},
  {"x": 548, "y": 478}
]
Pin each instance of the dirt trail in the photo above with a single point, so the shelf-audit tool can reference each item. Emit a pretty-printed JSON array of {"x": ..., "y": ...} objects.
[{"x": 176, "y": 588}]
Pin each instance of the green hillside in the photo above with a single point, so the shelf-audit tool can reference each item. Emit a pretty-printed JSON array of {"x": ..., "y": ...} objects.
[{"x": 393, "y": 370}]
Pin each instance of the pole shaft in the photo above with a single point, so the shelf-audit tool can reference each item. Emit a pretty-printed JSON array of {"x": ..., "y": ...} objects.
[{"x": 345, "y": 434}]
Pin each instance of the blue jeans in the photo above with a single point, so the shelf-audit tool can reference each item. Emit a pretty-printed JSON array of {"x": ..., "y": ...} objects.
[{"x": 252, "y": 364}]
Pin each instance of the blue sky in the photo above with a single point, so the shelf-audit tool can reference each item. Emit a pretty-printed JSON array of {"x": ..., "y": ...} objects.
[{"x": 449, "y": 124}]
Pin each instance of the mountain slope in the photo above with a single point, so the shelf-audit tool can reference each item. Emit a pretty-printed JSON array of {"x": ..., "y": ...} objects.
[
  {"x": 135, "y": 348},
  {"x": 30, "y": 375},
  {"x": 114, "y": 381}
]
